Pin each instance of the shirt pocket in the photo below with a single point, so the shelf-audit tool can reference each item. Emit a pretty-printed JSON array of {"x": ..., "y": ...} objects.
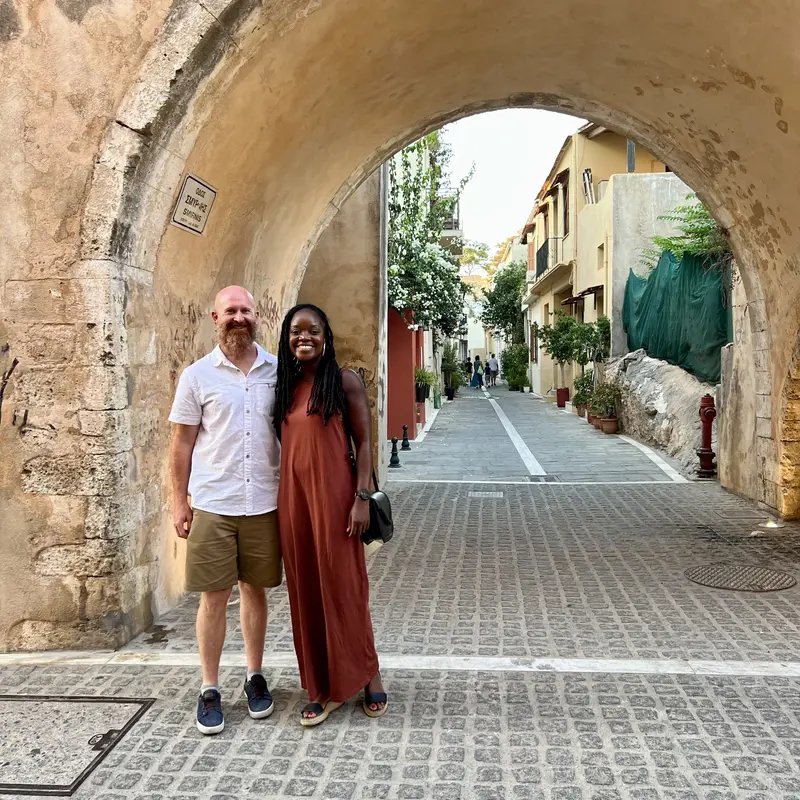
[{"x": 265, "y": 398}]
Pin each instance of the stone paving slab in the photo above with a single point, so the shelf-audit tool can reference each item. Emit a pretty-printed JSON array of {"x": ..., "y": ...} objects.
[
  {"x": 453, "y": 735},
  {"x": 567, "y": 446},
  {"x": 559, "y": 571},
  {"x": 467, "y": 441}
]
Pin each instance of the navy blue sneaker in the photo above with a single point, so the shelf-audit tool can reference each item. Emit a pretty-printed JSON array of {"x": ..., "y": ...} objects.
[
  {"x": 209, "y": 713},
  {"x": 259, "y": 701}
]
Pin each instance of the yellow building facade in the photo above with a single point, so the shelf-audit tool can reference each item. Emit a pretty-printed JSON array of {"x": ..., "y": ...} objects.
[{"x": 567, "y": 235}]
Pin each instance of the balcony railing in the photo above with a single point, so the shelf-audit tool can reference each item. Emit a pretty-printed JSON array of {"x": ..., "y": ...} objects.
[
  {"x": 548, "y": 255},
  {"x": 542, "y": 259}
]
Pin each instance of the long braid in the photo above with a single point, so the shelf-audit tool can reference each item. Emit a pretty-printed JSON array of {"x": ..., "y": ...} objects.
[{"x": 327, "y": 394}]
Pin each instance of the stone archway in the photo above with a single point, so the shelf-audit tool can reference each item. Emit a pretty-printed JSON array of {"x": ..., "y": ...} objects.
[{"x": 285, "y": 108}]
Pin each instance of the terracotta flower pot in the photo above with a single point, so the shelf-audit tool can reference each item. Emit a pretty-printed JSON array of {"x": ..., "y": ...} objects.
[
  {"x": 609, "y": 425},
  {"x": 597, "y": 422},
  {"x": 580, "y": 410},
  {"x": 562, "y": 395}
]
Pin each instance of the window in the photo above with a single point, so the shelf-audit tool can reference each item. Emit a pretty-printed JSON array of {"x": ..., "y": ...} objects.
[
  {"x": 601, "y": 257},
  {"x": 566, "y": 209},
  {"x": 599, "y": 303},
  {"x": 534, "y": 346}
]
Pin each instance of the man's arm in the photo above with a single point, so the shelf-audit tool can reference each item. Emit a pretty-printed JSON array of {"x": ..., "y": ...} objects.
[{"x": 180, "y": 462}]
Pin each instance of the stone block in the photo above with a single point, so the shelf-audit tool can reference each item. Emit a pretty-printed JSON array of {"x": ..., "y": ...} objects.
[
  {"x": 95, "y": 388},
  {"x": 101, "y": 344},
  {"x": 34, "y": 634},
  {"x": 94, "y": 557},
  {"x": 105, "y": 431},
  {"x": 145, "y": 426},
  {"x": 769, "y": 494},
  {"x": 117, "y": 517},
  {"x": 62, "y": 525},
  {"x": 65, "y": 300},
  {"x": 78, "y": 474},
  {"x": 764, "y": 406},
  {"x": 42, "y": 345},
  {"x": 110, "y": 594},
  {"x": 758, "y": 315},
  {"x": 761, "y": 360},
  {"x": 141, "y": 346},
  {"x": 764, "y": 427}
]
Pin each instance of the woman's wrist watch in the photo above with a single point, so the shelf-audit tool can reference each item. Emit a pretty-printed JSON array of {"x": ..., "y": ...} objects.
[{"x": 363, "y": 494}]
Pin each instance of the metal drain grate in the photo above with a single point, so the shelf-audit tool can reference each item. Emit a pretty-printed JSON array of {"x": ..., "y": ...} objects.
[
  {"x": 741, "y": 578},
  {"x": 50, "y": 745},
  {"x": 490, "y": 495},
  {"x": 543, "y": 479}
]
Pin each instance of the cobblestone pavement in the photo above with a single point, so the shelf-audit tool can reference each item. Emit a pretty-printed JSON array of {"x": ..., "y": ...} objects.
[
  {"x": 468, "y": 442},
  {"x": 567, "y": 571},
  {"x": 508, "y": 571},
  {"x": 453, "y": 735}
]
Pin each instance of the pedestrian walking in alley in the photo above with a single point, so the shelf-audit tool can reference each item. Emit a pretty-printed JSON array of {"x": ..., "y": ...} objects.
[
  {"x": 323, "y": 509},
  {"x": 494, "y": 365},
  {"x": 477, "y": 373},
  {"x": 468, "y": 369},
  {"x": 225, "y": 454}
]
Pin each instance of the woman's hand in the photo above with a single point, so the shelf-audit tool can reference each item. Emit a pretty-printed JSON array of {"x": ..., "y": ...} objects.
[{"x": 359, "y": 518}]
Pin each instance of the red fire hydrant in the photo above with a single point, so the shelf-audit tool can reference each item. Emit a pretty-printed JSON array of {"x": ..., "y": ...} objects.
[{"x": 708, "y": 414}]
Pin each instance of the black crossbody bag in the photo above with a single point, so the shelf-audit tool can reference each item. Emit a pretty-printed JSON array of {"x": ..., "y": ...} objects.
[{"x": 381, "y": 524}]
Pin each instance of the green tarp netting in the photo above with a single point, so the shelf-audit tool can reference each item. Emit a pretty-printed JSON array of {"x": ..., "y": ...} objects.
[{"x": 678, "y": 314}]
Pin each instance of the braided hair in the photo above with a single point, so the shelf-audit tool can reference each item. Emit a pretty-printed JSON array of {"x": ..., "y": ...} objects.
[{"x": 327, "y": 395}]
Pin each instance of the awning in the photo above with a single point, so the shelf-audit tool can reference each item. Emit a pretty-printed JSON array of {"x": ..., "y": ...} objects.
[
  {"x": 591, "y": 290},
  {"x": 571, "y": 301}
]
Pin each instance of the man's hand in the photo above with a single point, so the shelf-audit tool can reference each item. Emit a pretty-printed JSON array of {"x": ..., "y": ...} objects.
[{"x": 182, "y": 519}]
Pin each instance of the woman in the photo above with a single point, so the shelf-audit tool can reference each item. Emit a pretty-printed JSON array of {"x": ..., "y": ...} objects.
[
  {"x": 477, "y": 374},
  {"x": 323, "y": 508}
]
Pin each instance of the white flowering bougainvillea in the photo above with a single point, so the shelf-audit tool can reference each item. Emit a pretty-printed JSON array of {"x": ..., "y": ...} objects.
[{"x": 423, "y": 275}]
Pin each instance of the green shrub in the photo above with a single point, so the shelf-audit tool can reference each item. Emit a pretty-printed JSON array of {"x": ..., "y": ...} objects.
[
  {"x": 424, "y": 377},
  {"x": 604, "y": 400}
]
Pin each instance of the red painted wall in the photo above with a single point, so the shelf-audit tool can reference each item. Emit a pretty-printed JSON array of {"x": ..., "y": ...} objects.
[{"x": 402, "y": 358}]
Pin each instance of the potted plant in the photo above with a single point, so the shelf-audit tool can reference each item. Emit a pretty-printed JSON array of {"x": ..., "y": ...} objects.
[
  {"x": 514, "y": 362},
  {"x": 558, "y": 342},
  {"x": 450, "y": 370},
  {"x": 584, "y": 385},
  {"x": 424, "y": 379},
  {"x": 605, "y": 400},
  {"x": 526, "y": 385}
]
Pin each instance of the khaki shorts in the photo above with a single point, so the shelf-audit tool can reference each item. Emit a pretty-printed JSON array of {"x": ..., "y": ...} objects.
[{"x": 223, "y": 550}]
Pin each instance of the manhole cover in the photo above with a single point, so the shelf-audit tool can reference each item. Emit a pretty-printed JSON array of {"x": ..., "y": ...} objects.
[
  {"x": 50, "y": 745},
  {"x": 740, "y": 578}
]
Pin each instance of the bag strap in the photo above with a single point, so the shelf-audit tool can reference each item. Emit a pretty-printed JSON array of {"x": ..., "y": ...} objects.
[{"x": 348, "y": 432}]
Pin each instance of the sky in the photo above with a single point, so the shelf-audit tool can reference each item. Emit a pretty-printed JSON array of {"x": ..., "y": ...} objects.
[{"x": 513, "y": 151}]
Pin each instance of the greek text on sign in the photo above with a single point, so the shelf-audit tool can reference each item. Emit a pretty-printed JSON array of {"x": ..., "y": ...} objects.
[{"x": 194, "y": 205}]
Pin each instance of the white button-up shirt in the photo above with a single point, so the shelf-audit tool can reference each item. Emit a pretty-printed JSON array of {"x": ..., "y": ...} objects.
[{"x": 236, "y": 458}]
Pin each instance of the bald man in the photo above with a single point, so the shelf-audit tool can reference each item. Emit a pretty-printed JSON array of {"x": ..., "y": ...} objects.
[{"x": 226, "y": 456}]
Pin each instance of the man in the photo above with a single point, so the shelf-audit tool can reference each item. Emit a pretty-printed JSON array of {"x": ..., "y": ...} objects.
[
  {"x": 494, "y": 365},
  {"x": 226, "y": 456}
]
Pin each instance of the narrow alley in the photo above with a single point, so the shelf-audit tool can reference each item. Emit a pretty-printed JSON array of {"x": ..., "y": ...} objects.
[{"x": 538, "y": 634}]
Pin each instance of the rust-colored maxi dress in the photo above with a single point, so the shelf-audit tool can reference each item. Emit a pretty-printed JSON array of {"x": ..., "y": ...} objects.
[{"x": 325, "y": 570}]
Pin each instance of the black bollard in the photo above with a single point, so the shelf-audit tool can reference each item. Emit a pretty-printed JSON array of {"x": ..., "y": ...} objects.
[
  {"x": 406, "y": 443},
  {"x": 394, "y": 461}
]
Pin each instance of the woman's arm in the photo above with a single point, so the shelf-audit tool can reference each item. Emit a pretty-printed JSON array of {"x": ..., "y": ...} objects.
[{"x": 361, "y": 424}]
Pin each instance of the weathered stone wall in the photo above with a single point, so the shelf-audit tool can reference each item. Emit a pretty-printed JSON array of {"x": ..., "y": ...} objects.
[
  {"x": 355, "y": 302},
  {"x": 742, "y": 414},
  {"x": 661, "y": 404},
  {"x": 286, "y": 107}
]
